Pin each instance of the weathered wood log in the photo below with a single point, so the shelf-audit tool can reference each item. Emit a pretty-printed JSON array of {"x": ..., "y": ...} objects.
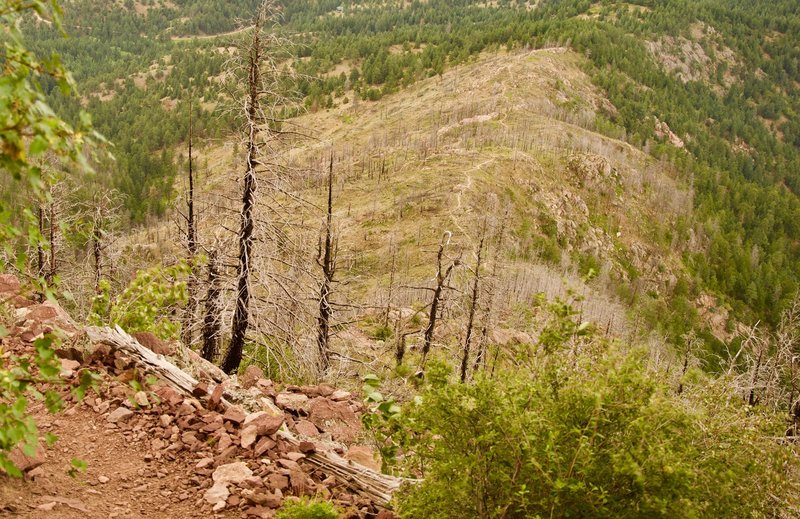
[
  {"x": 371, "y": 484},
  {"x": 362, "y": 480}
]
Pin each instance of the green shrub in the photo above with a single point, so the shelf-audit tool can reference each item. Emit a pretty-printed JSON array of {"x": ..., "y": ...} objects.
[
  {"x": 146, "y": 304},
  {"x": 382, "y": 333},
  {"x": 307, "y": 509},
  {"x": 593, "y": 438}
]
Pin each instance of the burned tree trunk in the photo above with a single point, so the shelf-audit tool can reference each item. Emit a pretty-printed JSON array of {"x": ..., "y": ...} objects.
[
  {"x": 442, "y": 276},
  {"x": 326, "y": 259},
  {"x": 40, "y": 266},
  {"x": 391, "y": 286},
  {"x": 52, "y": 268},
  {"x": 191, "y": 245},
  {"x": 473, "y": 306},
  {"x": 480, "y": 358},
  {"x": 233, "y": 356},
  {"x": 97, "y": 255},
  {"x": 211, "y": 320}
]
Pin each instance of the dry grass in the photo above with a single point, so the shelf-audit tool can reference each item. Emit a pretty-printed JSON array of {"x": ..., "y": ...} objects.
[{"x": 499, "y": 135}]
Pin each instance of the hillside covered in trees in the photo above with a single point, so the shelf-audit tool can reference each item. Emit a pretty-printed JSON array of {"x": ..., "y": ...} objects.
[{"x": 550, "y": 249}]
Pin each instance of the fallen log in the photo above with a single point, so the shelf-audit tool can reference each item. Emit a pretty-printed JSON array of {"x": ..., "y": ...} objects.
[{"x": 369, "y": 483}]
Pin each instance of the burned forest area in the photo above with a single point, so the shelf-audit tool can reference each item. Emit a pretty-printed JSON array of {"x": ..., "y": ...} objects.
[{"x": 416, "y": 259}]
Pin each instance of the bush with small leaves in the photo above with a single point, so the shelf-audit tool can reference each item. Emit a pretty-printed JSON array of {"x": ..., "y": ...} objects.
[{"x": 307, "y": 509}]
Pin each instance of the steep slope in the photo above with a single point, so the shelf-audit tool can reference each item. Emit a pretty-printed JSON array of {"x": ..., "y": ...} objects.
[{"x": 511, "y": 142}]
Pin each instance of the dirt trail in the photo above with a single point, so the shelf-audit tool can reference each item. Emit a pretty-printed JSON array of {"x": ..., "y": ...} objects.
[
  {"x": 135, "y": 487},
  {"x": 211, "y": 36},
  {"x": 154, "y": 452}
]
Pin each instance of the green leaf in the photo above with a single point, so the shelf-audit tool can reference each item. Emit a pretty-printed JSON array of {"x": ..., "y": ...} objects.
[{"x": 38, "y": 145}]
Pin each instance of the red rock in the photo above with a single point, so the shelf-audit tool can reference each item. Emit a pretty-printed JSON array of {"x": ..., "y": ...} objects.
[
  {"x": 251, "y": 376},
  {"x": 24, "y": 462},
  {"x": 154, "y": 344},
  {"x": 216, "y": 396},
  {"x": 273, "y": 500},
  {"x": 294, "y": 456},
  {"x": 295, "y": 402},
  {"x": 263, "y": 445},
  {"x": 340, "y": 395},
  {"x": 289, "y": 464},
  {"x": 169, "y": 395},
  {"x": 21, "y": 302},
  {"x": 325, "y": 389},
  {"x": 306, "y": 428},
  {"x": 267, "y": 424},
  {"x": 234, "y": 414},
  {"x": 233, "y": 500},
  {"x": 363, "y": 455},
  {"x": 259, "y": 511},
  {"x": 310, "y": 391},
  {"x": 277, "y": 481},
  {"x": 224, "y": 442},
  {"x": 40, "y": 312},
  {"x": 299, "y": 482},
  {"x": 306, "y": 447},
  {"x": 226, "y": 454},
  {"x": 248, "y": 436},
  {"x": 120, "y": 414},
  {"x": 336, "y": 418},
  {"x": 211, "y": 427},
  {"x": 9, "y": 285},
  {"x": 200, "y": 390},
  {"x": 266, "y": 387},
  {"x": 68, "y": 368}
]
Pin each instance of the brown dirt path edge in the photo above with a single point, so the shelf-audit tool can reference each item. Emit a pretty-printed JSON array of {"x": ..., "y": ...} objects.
[{"x": 135, "y": 487}]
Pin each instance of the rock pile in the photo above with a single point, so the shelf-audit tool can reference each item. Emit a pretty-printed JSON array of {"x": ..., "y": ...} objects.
[{"x": 234, "y": 460}]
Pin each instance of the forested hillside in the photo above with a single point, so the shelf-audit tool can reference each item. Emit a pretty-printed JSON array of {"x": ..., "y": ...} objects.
[
  {"x": 579, "y": 219},
  {"x": 736, "y": 108}
]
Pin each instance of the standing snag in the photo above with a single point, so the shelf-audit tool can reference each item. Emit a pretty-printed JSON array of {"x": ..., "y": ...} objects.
[
  {"x": 258, "y": 68},
  {"x": 211, "y": 319},
  {"x": 442, "y": 277},
  {"x": 191, "y": 244},
  {"x": 326, "y": 259},
  {"x": 254, "y": 122},
  {"x": 473, "y": 306}
]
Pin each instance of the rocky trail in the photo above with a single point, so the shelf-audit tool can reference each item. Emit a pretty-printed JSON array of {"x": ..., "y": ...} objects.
[{"x": 229, "y": 449}]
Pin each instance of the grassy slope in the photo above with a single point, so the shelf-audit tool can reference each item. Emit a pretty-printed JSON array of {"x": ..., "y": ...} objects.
[{"x": 508, "y": 132}]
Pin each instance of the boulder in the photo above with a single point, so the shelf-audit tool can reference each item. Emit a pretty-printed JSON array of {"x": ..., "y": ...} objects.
[
  {"x": 24, "y": 462},
  {"x": 120, "y": 414},
  {"x": 306, "y": 428},
  {"x": 251, "y": 376},
  {"x": 335, "y": 418},
  {"x": 217, "y": 495},
  {"x": 232, "y": 473},
  {"x": 363, "y": 455},
  {"x": 267, "y": 424},
  {"x": 249, "y": 436},
  {"x": 9, "y": 286},
  {"x": 234, "y": 414},
  {"x": 154, "y": 344},
  {"x": 294, "y": 402}
]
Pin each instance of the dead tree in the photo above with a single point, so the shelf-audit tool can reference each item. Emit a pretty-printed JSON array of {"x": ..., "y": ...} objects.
[
  {"x": 213, "y": 309},
  {"x": 233, "y": 357},
  {"x": 191, "y": 244},
  {"x": 391, "y": 285},
  {"x": 473, "y": 305},
  {"x": 40, "y": 264},
  {"x": 480, "y": 358},
  {"x": 264, "y": 101},
  {"x": 326, "y": 259},
  {"x": 442, "y": 277}
]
